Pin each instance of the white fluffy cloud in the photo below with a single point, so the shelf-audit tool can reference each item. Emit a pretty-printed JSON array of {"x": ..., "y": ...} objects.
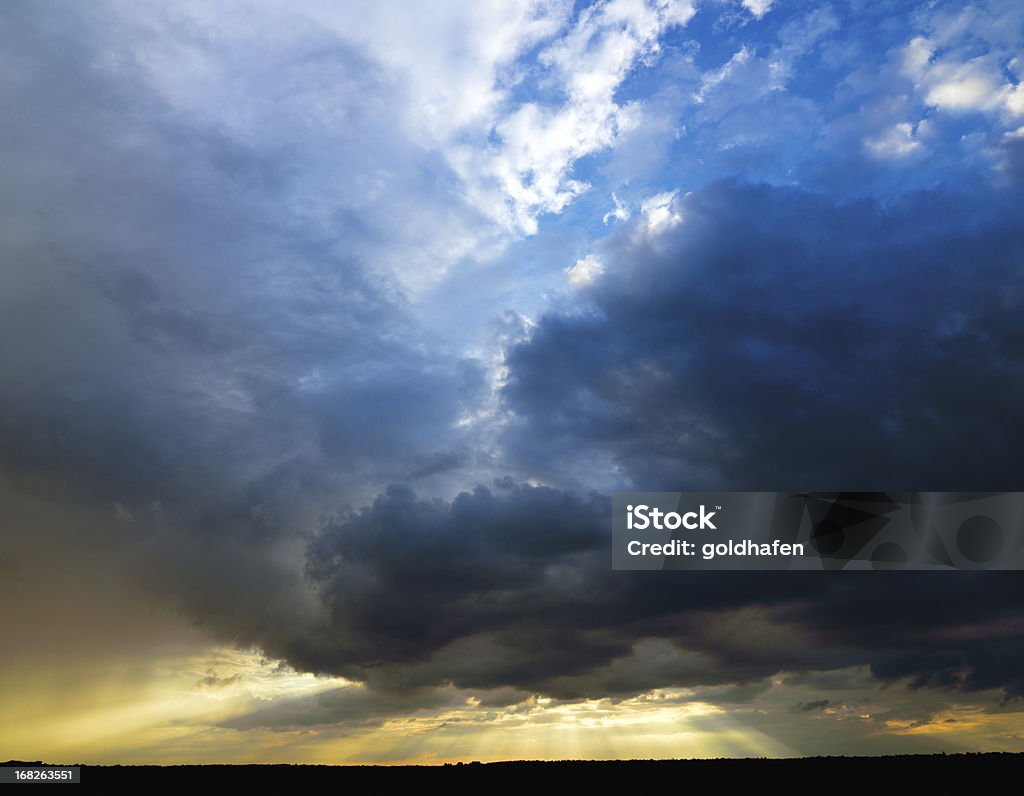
[
  {"x": 584, "y": 271},
  {"x": 896, "y": 142},
  {"x": 758, "y": 7},
  {"x": 976, "y": 85},
  {"x": 462, "y": 110},
  {"x": 619, "y": 213},
  {"x": 950, "y": 75},
  {"x": 660, "y": 213},
  {"x": 456, "y": 58},
  {"x": 528, "y": 170}
]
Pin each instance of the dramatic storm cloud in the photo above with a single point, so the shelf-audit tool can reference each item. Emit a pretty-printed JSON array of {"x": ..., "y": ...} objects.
[
  {"x": 774, "y": 338},
  {"x": 330, "y": 329},
  {"x": 512, "y": 587}
]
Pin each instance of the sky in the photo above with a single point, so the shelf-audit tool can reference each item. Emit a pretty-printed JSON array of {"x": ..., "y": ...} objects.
[{"x": 330, "y": 328}]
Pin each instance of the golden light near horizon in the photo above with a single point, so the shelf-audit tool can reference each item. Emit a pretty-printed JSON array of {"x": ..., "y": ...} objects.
[
  {"x": 184, "y": 709},
  {"x": 649, "y": 727},
  {"x": 103, "y": 714},
  {"x": 239, "y": 706}
]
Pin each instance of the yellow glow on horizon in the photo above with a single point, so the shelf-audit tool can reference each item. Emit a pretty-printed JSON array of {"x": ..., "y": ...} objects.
[
  {"x": 959, "y": 720},
  {"x": 653, "y": 726},
  {"x": 182, "y": 711},
  {"x": 104, "y": 714},
  {"x": 238, "y": 706}
]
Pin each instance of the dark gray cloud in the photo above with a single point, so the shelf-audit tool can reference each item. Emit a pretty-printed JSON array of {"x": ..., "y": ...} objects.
[
  {"x": 511, "y": 587},
  {"x": 779, "y": 339},
  {"x": 205, "y": 357},
  {"x": 406, "y": 578},
  {"x": 775, "y": 339},
  {"x": 181, "y": 328}
]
